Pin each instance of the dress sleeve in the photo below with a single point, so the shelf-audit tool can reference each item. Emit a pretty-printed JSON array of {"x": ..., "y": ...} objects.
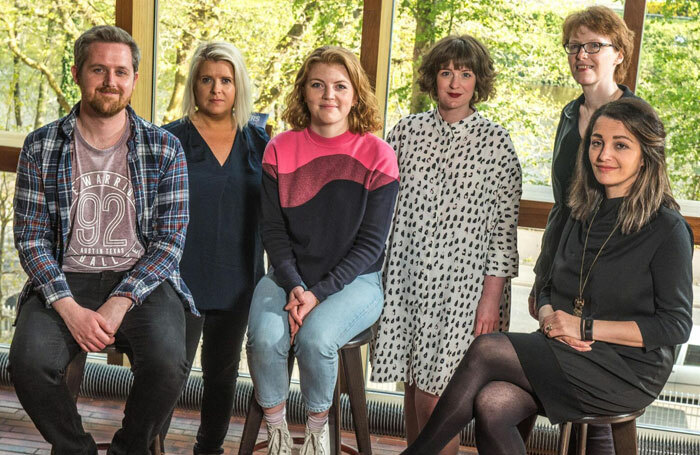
[
  {"x": 502, "y": 254},
  {"x": 672, "y": 275},
  {"x": 556, "y": 220}
]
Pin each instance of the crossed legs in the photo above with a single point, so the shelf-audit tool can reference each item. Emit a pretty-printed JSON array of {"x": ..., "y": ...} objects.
[{"x": 489, "y": 385}]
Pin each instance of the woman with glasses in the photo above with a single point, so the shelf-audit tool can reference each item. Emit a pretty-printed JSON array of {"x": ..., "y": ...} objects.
[
  {"x": 452, "y": 248},
  {"x": 599, "y": 46},
  {"x": 619, "y": 300}
]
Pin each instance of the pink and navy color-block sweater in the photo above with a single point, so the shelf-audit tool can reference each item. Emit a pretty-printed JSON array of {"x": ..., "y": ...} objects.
[{"x": 327, "y": 205}]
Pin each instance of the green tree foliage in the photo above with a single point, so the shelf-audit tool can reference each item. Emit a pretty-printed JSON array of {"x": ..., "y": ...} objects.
[
  {"x": 523, "y": 37},
  {"x": 670, "y": 81},
  {"x": 534, "y": 81}
]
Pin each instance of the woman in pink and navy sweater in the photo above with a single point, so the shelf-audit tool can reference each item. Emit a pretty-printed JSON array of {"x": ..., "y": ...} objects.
[{"x": 329, "y": 188}]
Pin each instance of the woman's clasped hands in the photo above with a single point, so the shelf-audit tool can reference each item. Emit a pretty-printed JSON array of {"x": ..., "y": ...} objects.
[
  {"x": 299, "y": 305},
  {"x": 564, "y": 327}
]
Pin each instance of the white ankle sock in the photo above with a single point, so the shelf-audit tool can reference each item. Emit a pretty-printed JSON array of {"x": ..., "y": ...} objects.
[
  {"x": 276, "y": 418},
  {"x": 316, "y": 423}
]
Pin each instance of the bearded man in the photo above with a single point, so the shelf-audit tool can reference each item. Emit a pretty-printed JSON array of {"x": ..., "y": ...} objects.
[{"x": 101, "y": 208}]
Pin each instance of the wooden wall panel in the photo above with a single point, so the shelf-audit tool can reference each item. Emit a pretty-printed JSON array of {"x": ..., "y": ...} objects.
[{"x": 138, "y": 17}]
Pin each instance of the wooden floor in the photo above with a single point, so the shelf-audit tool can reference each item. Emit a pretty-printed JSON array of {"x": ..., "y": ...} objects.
[{"x": 102, "y": 418}]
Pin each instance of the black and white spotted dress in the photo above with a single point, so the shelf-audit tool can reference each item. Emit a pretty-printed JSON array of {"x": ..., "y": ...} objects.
[{"x": 455, "y": 221}]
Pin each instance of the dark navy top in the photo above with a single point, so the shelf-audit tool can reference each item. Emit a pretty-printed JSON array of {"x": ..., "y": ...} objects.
[{"x": 223, "y": 256}]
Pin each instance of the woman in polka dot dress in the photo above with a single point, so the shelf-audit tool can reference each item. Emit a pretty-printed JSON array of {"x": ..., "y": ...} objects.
[{"x": 452, "y": 248}]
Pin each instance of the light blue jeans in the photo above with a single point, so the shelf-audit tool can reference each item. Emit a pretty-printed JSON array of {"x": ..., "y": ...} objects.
[{"x": 328, "y": 327}]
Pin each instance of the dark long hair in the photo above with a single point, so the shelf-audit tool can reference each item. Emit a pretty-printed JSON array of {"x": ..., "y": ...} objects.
[{"x": 649, "y": 191}]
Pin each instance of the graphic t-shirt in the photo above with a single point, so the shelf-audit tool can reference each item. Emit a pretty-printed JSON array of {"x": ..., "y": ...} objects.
[{"x": 103, "y": 212}]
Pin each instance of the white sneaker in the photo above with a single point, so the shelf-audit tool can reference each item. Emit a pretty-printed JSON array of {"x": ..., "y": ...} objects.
[
  {"x": 279, "y": 442},
  {"x": 316, "y": 443}
]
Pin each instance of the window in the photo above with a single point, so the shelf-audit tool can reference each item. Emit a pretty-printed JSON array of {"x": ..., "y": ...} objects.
[
  {"x": 36, "y": 82},
  {"x": 273, "y": 45}
]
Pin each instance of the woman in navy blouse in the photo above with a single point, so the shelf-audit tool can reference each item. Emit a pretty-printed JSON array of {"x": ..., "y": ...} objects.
[{"x": 223, "y": 256}]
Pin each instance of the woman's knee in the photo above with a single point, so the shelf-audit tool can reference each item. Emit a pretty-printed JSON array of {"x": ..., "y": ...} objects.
[
  {"x": 489, "y": 405},
  {"x": 312, "y": 344}
]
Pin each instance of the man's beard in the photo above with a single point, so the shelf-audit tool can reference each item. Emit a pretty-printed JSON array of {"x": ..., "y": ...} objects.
[{"x": 105, "y": 106}]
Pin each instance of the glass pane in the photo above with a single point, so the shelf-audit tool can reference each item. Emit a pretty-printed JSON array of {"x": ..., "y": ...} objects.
[
  {"x": 692, "y": 358},
  {"x": 35, "y": 81},
  {"x": 273, "y": 35},
  {"x": 669, "y": 79},
  {"x": 12, "y": 277}
]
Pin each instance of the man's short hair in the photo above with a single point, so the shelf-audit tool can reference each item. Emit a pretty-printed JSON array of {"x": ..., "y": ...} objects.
[{"x": 104, "y": 34}]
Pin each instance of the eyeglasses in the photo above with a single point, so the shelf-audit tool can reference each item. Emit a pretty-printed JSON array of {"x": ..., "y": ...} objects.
[{"x": 590, "y": 48}]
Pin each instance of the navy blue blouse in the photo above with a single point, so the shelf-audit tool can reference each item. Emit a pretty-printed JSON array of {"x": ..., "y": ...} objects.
[{"x": 223, "y": 257}]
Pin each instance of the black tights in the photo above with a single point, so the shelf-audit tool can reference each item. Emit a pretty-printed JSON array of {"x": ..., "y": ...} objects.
[{"x": 490, "y": 386}]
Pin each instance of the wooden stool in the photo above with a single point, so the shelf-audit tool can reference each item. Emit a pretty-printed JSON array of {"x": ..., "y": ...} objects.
[
  {"x": 74, "y": 377},
  {"x": 624, "y": 430},
  {"x": 350, "y": 364}
]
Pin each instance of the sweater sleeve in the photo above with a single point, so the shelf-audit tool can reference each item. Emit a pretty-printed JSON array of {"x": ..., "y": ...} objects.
[
  {"x": 671, "y": 271},
  {"x": 369, "y": 242},
  {"x": 274, "y": 227}
]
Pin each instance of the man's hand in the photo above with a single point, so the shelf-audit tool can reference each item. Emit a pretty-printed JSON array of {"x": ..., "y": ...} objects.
[
  {"x": 89, "y": 328},
  {"x": 113, "y": 311}
]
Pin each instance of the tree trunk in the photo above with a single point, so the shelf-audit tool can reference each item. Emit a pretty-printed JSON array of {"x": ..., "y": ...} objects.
[
  {"x": 16, "y": 92},
  {"x": 200, "y": 18},
  {"x": 173, "y": 110},
  {"x": 68, "y": 87},
  {"x": 40, "y": 104},
  {"x": 269, "y": 83},
  {"x": 424, "y": 14}
]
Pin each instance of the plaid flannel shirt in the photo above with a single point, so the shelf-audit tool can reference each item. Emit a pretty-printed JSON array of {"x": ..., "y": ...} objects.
[{"x": 158, "y": 173}]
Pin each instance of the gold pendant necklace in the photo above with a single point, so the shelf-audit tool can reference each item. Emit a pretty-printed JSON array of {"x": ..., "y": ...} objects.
[{"x": 579, "y": 301}]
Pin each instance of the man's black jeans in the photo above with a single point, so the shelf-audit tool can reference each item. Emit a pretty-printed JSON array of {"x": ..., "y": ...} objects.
[{"x": 153, "y": 333}]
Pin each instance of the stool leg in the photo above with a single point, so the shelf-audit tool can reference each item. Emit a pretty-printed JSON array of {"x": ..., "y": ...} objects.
[
  {"x": 251, "y": 428},
  {"x": 155, "y": 447},
  {"x": 582, "y": 438},
  {"x": 352, "y": 364},
  {"x": 334, "y": 420},
  {"x": 525, "y": 427},
  {"x": 625, "y": 437},
  {"x": 564, "y": 433},
  {"x": 74, "y": 374}
]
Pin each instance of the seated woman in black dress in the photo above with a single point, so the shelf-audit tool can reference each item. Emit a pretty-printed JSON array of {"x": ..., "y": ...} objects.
[
  {"x": 223, "y": 256},
  {"x": 619, "y": 299}
]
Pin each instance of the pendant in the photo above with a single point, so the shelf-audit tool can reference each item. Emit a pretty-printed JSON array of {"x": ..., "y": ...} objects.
[{"x": 578, "y": 306}]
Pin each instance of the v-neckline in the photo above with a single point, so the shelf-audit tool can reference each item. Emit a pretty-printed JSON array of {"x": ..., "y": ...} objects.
[{"x": 211, "y": 153}]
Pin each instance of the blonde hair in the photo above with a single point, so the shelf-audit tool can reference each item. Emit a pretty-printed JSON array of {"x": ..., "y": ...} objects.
[
  {"x": 221, "y": 52},
  {"x": 650, "y": 190},
  {"x": 363, "y": 117},
  {"x": 604, "y": 21}
]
